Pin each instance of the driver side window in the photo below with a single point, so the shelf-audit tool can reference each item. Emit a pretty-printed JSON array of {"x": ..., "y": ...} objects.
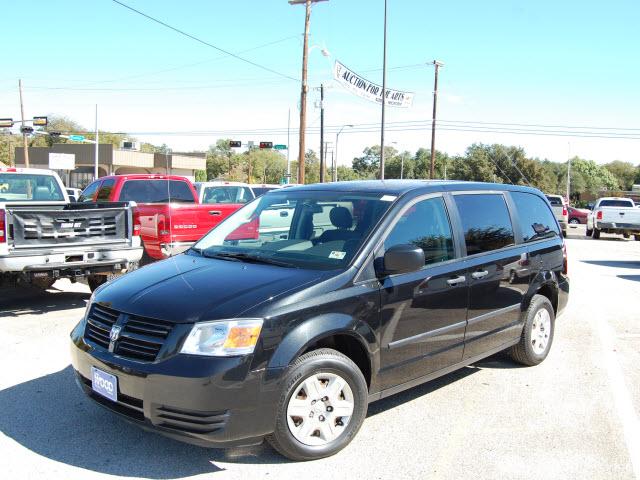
[{"x": 425, "y": 225}]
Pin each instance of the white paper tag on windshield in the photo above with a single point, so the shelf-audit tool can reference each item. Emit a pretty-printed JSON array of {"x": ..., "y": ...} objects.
[
  {"x": 337, "y": 255},
  {"x": 388, "y": 198}
]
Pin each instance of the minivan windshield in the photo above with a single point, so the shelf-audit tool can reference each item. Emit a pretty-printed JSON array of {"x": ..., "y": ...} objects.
[{"x": 302, "y": 229}]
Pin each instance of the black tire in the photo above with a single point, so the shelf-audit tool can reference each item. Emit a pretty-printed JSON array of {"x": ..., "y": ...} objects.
[
  {"x": 574, "y": 221},
  {"x": 324, "y": 360},
  {"x": 564, "y": 233},
  {"x": 596, "y": 233},
  {"x": 94, "y": 281},
  {"x": 523, "y": 352},
  {"x": 589, "y": 232},
  {"x": 625, "y": 235},
  {"x": 146, "y": 259},
  {"x": 637, "y": 237}
]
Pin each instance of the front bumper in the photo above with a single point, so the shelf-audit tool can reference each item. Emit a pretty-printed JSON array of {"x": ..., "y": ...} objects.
[{"x": 211, "y": 402}]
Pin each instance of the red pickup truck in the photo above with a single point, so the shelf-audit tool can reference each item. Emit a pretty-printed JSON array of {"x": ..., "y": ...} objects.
[{"x": 168, "y": 212}]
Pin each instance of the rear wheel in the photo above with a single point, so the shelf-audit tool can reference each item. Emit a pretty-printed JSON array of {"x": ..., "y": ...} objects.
[
  {"x": 589, "y": 232},
  {"x": 537, "y": 334},
  {"x": 322, "y": 406},
  {"x": 625, "y": 235},
  {"x": 596, "y": 233},
  {"x": 574, "y": 221},
  {"x": 637, "y": 237}
]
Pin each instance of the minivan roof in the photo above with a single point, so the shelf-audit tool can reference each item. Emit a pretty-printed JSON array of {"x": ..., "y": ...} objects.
[{"x": 400, "y": 187}]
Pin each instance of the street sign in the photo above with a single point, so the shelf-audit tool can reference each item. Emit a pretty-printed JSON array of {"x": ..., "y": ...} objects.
[
  {"x": 235, "y": 143},
  {"x": 40, "y": 121},
  {"x": 279, "y": 147},
  {"x": 76, "y": 138},
  {"x": 266, "y": 144},
  {"x": 62, "y": 161},
  {"x": 6, "y": 122}
]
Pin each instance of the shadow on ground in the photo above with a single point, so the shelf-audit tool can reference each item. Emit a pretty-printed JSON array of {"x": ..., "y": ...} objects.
[
  {"x": 20, "y": 301},
  {"x": 613, "y": 263},
  {"x": 51, "y": 417}
]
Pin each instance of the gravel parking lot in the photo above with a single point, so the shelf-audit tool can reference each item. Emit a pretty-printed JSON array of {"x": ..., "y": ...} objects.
[{"x": 574, "y": 416}]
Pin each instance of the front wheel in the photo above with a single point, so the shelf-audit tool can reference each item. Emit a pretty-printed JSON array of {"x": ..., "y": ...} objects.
[
  {"x": 537, "y": 335},
  {"x": 322, "y": 406}
]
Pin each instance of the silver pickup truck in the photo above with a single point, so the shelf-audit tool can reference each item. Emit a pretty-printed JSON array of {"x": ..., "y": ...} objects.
[
  {"x": 43, "y": 237},
  {"x": 614, "y": 215}
]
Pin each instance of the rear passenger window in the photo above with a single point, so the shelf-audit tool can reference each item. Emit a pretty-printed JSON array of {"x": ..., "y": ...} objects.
[
  {"x": 425, "y": 225},
  {"x": 485, "y": 221},
  {"x": 536, "y": 220},
  {"x": 105, "y": 190}
]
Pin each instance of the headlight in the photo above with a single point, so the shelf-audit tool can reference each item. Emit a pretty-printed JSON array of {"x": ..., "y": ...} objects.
[{"x": 223, "y": 338}]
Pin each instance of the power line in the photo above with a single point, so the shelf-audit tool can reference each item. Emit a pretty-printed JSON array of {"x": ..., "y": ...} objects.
[{"x": 203, "y": 42}]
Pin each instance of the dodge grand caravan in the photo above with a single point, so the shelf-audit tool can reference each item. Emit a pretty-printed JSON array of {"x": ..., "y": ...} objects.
[{"x": 308, "y": 303}]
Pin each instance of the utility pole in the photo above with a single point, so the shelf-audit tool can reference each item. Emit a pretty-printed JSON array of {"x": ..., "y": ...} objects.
[
  {"x": 322, "y": 146},
  {"x": 303, "y": 92},
  {"x": 24, "y": 135},
  {"x": 437, "y": 64},
  {"x": 384, "y": 91},
  {"x": 95, "y": 165},
  {"x": 288, "y": 177}
]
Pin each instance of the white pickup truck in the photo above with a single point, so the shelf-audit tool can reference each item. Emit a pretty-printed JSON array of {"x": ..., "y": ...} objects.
[
  {"x": 614, "y": 215},
  {"x": 43, "y": 237}
]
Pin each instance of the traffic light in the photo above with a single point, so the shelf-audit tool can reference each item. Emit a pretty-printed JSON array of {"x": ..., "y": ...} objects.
[
  {"x": 25, "y": 129},
  {"x": 6, "y": 122},
  {"x": 40, "y": 121},
  {"x": 235, "y": 143},
  {"x": 55, "y": 134},
  {"x": 266, "y": 144}
]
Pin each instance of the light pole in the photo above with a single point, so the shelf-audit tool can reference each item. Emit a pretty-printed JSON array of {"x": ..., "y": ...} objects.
[
  {"x": 335, "y": 158},
  {"x": 437, "y": 64},
  {"x": 384, "y": 91},
  {"x": 303, "y": 91}
]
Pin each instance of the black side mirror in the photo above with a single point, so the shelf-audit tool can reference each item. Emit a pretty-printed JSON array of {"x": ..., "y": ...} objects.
[{"x": 403, "y": 258}]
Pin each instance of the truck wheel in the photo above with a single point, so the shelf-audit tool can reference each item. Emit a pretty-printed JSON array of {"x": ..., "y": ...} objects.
[
  {"x": 321, "y": 408},
  {"x": 625, "y": 235},
  {"x": 574, "y": 221},
  {"x": 95, "y": 281},
  {"x": 596, "y": 233},
  {"x": 537, "y": 334},
  {"x": 589, "y": 232},
  {"x": 637, "y": 237}
]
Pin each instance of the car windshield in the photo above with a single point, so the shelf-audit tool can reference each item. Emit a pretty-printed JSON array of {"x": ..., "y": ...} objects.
[
  {"x": 29, "y": 188},
  {"x": 303, "y": 229}
]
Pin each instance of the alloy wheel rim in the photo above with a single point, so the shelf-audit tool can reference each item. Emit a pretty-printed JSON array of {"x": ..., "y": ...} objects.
[
  {"x": 320, "y": 409},
  {"x": 540, "y": 331}
]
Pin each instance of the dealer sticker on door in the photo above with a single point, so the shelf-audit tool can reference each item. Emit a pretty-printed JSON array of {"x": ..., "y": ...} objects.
[{"x": 105, "y": 384}]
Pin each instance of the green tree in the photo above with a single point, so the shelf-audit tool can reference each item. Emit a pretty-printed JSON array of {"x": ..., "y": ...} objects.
[{"x": 624, "y": 173}]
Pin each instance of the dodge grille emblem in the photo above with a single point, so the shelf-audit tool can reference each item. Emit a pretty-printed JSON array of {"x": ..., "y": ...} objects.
[{"x": 113, "y": 336}]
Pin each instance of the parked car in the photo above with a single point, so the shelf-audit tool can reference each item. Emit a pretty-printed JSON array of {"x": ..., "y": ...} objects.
[
  {"x": 224, "y": 192},
  {"x": 559, "y": 207},
  {"x": 168, "y": 210},
  {"x": 614, "y": 215},
  {"x": 43, "y": 237},
  {"x": 577, "y": 216},
  {"x": 74, "y": 194},
  {"x": 261, "y": 189},
  {"x": 250, "y": 335}
]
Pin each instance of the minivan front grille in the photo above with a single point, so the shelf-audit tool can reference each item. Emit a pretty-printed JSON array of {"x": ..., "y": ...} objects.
[{"x": 139, "y": 338}]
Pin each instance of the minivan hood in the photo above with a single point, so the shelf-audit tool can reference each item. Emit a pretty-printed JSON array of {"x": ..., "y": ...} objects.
[{"x": 189, "y": 288}]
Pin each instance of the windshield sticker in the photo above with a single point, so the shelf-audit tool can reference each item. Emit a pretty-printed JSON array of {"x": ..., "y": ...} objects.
[
  {"x": 388, "y": 198},
  {"x": 337, "y": 255}
]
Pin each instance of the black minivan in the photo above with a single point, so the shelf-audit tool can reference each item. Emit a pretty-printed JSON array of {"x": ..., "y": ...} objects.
[{"x": 308, "y": 303}]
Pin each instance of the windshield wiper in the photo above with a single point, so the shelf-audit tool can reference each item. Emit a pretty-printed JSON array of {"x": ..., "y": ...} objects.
[{"x": 246, "y": 257}]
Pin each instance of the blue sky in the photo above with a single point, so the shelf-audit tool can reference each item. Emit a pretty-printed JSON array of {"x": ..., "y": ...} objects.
[{"x": 569, "y": 63}]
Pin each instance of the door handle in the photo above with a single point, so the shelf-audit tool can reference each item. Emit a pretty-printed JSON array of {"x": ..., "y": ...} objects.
[
  {"x": 456, "y": 280},
  {"x": 215, "y": 212},
  {"x": 480, "y": 274}
]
